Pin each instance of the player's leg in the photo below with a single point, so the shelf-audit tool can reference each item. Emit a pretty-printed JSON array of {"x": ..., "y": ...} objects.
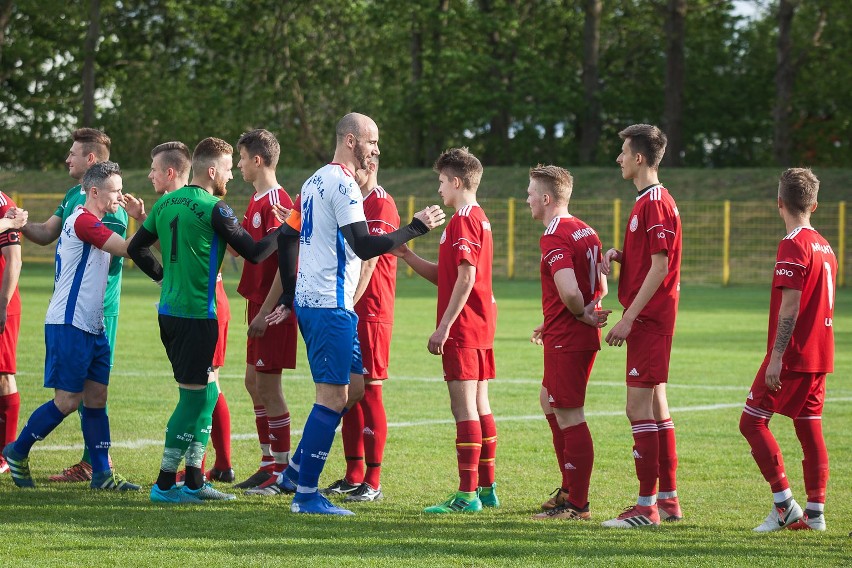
[
  {"x": 815, "y": 463},
  {"x": 331, "y": 341},
  {"x": 261, "y": 422},
  {"x": 468, "y": 430},
  {"x": 560, "y": 493},
  {"x": 760, "y": 407},
  {"x": 352, "y": 434},
  {"x": 220, "y": 435},
  {"x": 10, "y": 399},
  {"x": 486, "y": 485}
]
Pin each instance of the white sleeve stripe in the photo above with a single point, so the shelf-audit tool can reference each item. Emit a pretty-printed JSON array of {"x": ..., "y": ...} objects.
[
  {"x": 382, "y": 221},
  {"x": 468, "y": 240},
  {"x": 791, "y": 263},
  {"x": 550, "y": 253}
]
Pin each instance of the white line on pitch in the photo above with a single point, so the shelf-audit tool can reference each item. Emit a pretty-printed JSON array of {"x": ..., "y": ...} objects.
[{"x": 136, "y": 444}]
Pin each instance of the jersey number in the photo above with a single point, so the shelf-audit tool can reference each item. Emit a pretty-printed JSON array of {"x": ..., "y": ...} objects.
[
  {"x": 592, "y": 257},
  {"x": 174, "y": 226},
  {"x": 829, "y": 284}
]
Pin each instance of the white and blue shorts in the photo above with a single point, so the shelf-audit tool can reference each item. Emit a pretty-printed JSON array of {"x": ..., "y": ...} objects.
[{"x": 331, "y": 339}]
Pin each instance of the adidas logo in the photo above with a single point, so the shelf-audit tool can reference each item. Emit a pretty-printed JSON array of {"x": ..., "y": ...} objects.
[
  {"x": 550, "y": 398},
  {"x": 368, "y": 431},
  {"x": 637, "y": 455},
  {"x": 569, "y": 465},
  {"x": 633, "y": 372},
  {"x": 259, "y": 363},
  {"x": 750, "y": 396}
]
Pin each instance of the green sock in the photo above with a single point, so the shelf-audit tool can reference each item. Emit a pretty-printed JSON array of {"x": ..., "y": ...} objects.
[
  {"x": 180, "y": 431},
  {"x": 201, "y": 432}
]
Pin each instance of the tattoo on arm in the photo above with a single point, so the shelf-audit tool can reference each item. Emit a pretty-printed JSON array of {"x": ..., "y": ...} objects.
[{"x": 785, "y": 332}]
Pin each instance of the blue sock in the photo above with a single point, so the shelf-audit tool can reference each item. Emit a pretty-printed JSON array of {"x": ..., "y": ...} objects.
[
  {"x": 317, "y": 438},
  {"x": 97, "y": 438},
  {"x": 41, "y": 423}
]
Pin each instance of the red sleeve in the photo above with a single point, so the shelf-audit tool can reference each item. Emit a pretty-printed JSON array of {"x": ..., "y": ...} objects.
[
  {"x": 467, "y": 240},
  {"x": 270, "y": 221},
  {"x": 90, "y": 229},
  {"x": 660, "y": 223},
  {"x": 556, "y": 253},
  {"x": 790, "y": 265},
  {"x": 382, "y": 218}
]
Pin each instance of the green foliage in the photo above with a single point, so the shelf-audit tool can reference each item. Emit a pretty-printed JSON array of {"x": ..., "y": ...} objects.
[{"x": 501, "y": 76}]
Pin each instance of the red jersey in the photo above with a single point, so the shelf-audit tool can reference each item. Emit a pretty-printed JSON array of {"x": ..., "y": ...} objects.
[
  {"x": 10, "y": 238},
  {"x": 376, "y": 304},
  {"x": 468, "y": 238},
  {"x": 569, "y": 243},
  {"x": 654, "y": 227},
  {"x": 259, "y": 221},
  {"x": 806, "y": 262}
]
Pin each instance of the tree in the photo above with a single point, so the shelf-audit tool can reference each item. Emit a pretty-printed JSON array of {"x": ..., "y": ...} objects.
[
  {"x": 590, "y": 126},
  {"x": 675, "y": 29},
  {"x": 90, "y": 48}
]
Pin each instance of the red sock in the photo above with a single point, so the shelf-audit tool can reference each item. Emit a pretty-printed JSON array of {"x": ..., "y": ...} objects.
[
  {"x": 668, "y": 455},
  {"x": 353, "y": 444},
  {"x": 559, "y": 446},
  {"x": 489, "y": 450},
  {"x": 220, "y": 435},
  {"x": 10, "y": 407},
  {"x": 646, "y": 455},
  {"x": 375, "y": 432},
  {"x": 279, "y": 440},
  {"x": 468, "y": 448},
  {"x": 815, "y": 464},
  {"x": 764, "y": 448},
  {"x": 579, "y": 458},
  {"x": 262, "y": 424}
]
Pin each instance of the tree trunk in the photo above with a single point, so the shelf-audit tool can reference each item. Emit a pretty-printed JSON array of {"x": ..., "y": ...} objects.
[
  {"x": 785, "y": 75},
  {"x": 415, "y": 112},
  {"x": 437, "y": 135},
  {"x": 590, "y": 126},
  {"x": 90, "y": 48},
  {"x": 675, "y": 70},
  {"x": 5, "y": 15}
]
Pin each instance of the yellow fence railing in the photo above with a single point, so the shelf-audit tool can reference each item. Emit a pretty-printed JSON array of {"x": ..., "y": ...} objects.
[{"x": 724, "y": 242}]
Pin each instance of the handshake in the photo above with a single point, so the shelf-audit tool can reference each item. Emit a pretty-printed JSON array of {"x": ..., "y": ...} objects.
[{"x": 15, "y": 219}]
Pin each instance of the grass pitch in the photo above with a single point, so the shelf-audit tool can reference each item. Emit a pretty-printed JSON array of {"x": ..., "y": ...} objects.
[{"x": 720, "y": 341}]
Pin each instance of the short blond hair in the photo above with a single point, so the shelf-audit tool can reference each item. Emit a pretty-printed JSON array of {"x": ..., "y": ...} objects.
[
  {"x": 557, "y": 182},
  {"x": 798, "y": 189}
]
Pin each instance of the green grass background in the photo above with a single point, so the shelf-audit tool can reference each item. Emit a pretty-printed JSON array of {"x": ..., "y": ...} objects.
[{"x": 719, "y": 344}]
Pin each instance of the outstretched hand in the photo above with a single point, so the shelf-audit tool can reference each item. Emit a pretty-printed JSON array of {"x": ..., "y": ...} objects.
[
  {"x": 279, "y": 314},
  {"x": 593, "y": 316},
  {"x": 281, "y": 213},
  {"x": 433, "y": 216},
  {"x": 135, "y": 207}
]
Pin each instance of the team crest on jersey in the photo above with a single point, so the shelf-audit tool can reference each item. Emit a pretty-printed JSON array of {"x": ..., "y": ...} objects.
[
  {"x": 443, "y": 236},
  {"x": 634, "y": 224},
  {"x": 255, "y": 220}
]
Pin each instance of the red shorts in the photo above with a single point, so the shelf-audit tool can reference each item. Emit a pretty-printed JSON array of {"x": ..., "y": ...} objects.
[
  {"x": 566, "y": 374},
  {"x": 9, "y": 345},
  {"x": 276, "y": 350},
  {"x": 648, "y": 357},
  {"x": 467, "y": 363},
  {"x": 221, "y": 344},
  {"x": 375, "y": 338},
  {"x": 801, "y": 394}
]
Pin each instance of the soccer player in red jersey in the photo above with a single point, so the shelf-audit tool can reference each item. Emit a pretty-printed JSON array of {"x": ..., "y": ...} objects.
[
  {"x": 571, "y": 289},
  {"x": 467, "y": 315},
  {"x": 269, "y": 350},
  {"x": 365, "y": 426},
  {"x": 799, "y": 354},
  {"x": 10, "y": 321},
  {"x": 648, "y": 288}
]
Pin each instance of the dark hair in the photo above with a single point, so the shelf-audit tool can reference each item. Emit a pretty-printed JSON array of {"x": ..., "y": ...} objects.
[
  {"x": 174, "y": 155},
  {"x": 798, "y": 189},
  {"x": 648, "y": 140},
  {"x": 557, "y": 181},
  {"x": 460, "y": 163},
  {"x": 96, "y": 175},
  {"x": 93, "y": 141},
  {"x": 260, "y": 142}
]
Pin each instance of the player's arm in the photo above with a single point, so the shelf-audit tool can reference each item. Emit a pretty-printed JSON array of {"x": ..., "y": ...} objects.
[
  {"x": 423, "y": 267},
  {"x": 367, "y": 269},
  {"x": 570, "y": 294},
  {"x": 139, "y": 251},
  {"x": 12, "y": 254},
  {"x": 461, "y": 292},
  {"x": 788, "y": 313},
  {"x": 656, "y": 274},
  {"x": 43, "y": 233},
  {"x": 15, "y": 219},
  {"x": 288, "y": 257},
  {"x": 225, "y": 224},
  {"x": 612, "y": 255},
  {"x": 367, "y": 246},
  {"x": 257, "y": 326}
]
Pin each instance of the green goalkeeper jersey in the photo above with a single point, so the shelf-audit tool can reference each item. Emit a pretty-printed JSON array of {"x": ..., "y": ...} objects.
[{"x": 117, "y": 223}]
